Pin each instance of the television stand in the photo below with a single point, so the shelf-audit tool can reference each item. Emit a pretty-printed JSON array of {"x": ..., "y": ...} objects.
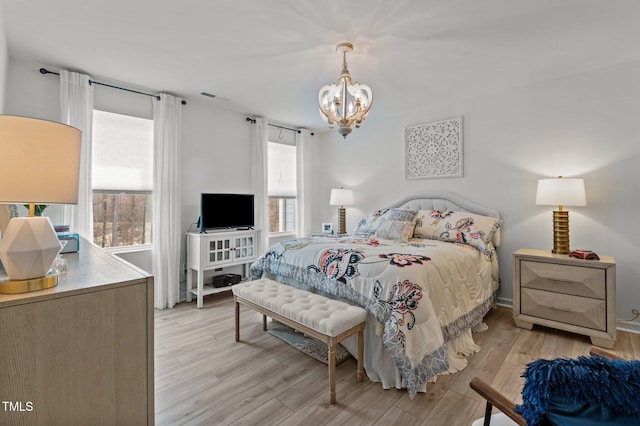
[{"x": 206, "y": 252}]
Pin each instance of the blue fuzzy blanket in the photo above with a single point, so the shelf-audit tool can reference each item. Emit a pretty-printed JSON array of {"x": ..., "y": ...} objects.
[{"x": 582, "y": 391}]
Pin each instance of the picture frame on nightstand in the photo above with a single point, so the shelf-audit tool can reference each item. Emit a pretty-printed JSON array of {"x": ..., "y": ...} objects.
[{"x": 327, "y": 228}]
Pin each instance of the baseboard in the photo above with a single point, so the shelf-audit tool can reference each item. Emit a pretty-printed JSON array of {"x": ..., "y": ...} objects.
[
  {"x": 633, "y": 327},
  {"x": 507, "y": 303}
]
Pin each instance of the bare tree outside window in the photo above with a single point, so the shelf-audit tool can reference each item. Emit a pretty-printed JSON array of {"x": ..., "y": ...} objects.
[{"x": 121, "y": 219}]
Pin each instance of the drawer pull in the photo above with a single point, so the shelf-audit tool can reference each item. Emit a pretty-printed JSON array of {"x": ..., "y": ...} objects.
[
  {"x": 561, "y": 281},
  {"x": 561, "y": 309}
]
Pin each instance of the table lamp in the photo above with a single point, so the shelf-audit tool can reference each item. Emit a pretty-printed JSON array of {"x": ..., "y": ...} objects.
[
  {"x": 341, "y": 197},
  {"x": 561, "y": 192},
  {"x": 39, "y": 163}
]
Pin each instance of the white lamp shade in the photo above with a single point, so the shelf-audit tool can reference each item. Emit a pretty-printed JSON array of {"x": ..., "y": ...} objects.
[
  {"x": 561, "y": 192},
  {"x": 39, "y": 161},
  {"x": 341, "y": 197}
]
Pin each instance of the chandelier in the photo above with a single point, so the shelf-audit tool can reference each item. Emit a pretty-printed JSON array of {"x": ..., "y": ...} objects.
[{"x": 345, "y": 103}]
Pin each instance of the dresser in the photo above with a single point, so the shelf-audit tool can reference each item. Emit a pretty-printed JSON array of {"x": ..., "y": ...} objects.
[
  {"x": 81, "y": 352},
  {"x": 565, "y": 293}
]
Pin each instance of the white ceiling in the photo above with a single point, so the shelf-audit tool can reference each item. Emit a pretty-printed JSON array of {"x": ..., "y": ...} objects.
[{"x": 270, "y": 57}]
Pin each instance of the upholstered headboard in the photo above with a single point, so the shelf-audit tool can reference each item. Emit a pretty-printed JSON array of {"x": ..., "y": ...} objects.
[{"x": 445, "y": 200}]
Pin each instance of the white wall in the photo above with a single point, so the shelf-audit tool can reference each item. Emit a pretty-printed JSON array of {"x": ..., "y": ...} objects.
[
  {"x": 583, "y": 126},
  {"x": 4, "y": 60}
]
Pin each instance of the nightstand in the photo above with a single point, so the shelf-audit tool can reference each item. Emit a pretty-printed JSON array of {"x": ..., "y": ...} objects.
[{"x": 558, "y": 291}]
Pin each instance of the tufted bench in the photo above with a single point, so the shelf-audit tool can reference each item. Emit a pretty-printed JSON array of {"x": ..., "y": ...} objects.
[{"x": 327, "y": 320}]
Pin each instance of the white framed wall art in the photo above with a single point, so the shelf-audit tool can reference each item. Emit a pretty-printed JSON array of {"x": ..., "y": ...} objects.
[{"x": 434, "y": 150}]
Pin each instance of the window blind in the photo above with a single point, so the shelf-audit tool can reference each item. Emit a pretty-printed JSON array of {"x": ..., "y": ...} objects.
[
  {"x": 122, "y": 152},
  {"x": 282, "y": 170}
]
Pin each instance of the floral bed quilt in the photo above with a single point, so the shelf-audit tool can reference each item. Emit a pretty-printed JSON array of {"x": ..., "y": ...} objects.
[{"x": 423, "y": 293}]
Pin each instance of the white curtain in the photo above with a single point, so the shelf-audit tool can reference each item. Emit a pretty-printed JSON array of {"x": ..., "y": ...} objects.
[
  {"x": 303, "y": 184},
  {"x": 259, "y": 169},
  {"x": 167, "y": 119},
  {"x": 76, "y": 109}
]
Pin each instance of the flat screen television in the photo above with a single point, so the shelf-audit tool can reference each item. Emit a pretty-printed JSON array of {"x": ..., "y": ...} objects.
[{"x": 226, "y": 211}]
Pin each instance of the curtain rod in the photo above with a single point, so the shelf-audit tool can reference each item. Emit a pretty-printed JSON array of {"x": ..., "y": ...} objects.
[
  {"x": 253, "y": 121},
  {"x": 46, "y": 71}
]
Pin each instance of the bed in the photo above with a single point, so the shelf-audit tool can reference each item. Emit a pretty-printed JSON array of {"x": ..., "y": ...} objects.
[{"x": 424, "y": 268}]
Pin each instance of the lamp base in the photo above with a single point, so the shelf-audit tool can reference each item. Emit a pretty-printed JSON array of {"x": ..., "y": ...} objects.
[
  {"x": 342, "y": 221},
  {"x": 29, "y": 247},
  {"x": 561, "y": 232},
  {"x": 25, "y": 286}
]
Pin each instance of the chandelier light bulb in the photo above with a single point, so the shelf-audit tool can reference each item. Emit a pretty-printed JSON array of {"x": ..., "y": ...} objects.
[{"x": 345, "y": 103}]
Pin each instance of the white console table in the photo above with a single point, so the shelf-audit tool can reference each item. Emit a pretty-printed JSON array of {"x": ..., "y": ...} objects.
[{"x": 218, "y": 249}]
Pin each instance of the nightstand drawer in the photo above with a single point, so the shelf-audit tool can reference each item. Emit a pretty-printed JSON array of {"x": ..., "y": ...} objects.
[
  {"x": 580, "y": 311},
  {"x": 575, "y": 280}
]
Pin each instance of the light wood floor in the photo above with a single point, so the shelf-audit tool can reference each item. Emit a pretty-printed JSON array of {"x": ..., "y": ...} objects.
[{"x": 203, "y": 377}]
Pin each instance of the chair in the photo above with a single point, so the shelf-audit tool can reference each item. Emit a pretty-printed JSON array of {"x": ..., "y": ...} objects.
[{"x": 599, "y": 390}]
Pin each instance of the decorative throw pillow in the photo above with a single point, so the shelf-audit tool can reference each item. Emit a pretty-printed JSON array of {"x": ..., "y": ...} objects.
[
  {"x": 371, "y": 222},
  {"x": 458, "y": 227},
  {"x": 400, "y": 230},
  {"x": 582, "y": 391}
]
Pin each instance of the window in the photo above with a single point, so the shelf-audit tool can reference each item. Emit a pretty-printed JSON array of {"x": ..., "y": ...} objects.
[
  {"x": 122, "y": 175},
  {"x": 282, "y": 187}
]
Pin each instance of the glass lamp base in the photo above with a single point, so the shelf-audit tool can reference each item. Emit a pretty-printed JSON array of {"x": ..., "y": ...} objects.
[{"x": 25, "y": 286}]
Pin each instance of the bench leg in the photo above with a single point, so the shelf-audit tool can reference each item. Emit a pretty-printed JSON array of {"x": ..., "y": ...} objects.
[
  {"x": 237, "y": 321},
  {"x": 332, "y": 369},
  {"x": 264, "y": 322},
  {"x": 360, "y": 371}
]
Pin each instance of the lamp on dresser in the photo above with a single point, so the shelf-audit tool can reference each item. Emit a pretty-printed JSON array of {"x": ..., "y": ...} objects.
[
  {"x": 341, "y": 197},
  {"x": 39, "y": 163},
  {"x": 561, "y": 192}
]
